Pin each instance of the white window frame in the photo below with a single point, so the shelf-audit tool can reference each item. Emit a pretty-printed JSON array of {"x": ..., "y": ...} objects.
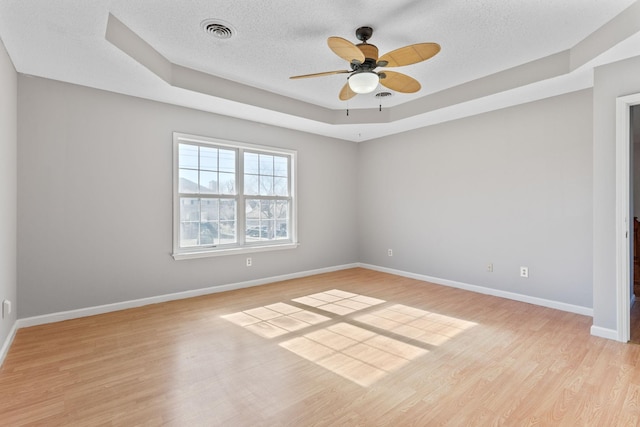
[{"x": 241, "y": 247}]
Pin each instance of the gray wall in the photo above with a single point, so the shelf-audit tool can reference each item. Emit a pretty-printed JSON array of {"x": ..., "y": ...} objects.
[
  {"x": 95, "y": 206},
  {"x": 8, "y": 187},
  {"x": 610, "y": 81},
  {"x": 530, "y": 185},
  {"x": 510, "y": 187}
]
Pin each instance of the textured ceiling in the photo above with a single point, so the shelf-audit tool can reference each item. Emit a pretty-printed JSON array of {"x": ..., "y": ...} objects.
[{"x": 65, "y": 40}]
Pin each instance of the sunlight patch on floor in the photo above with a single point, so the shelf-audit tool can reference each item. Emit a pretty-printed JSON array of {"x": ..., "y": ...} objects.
[
  {"x": 354, "y": 353},
  {"x": 420, "y": 325},
  {"x": 363, "y": 352},
  {"x": 338, "y": 302},
  {"x": 274, "y": 320}
]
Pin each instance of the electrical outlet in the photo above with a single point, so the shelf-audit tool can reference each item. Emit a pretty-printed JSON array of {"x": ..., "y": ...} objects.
[
  {"x": 6, "y": 308},
  {"x": 490, "y": 267},
  {"x": 249, "y": 262},
  {"x": 390, "y": 252},
  {"x": 524, "y": 271}
]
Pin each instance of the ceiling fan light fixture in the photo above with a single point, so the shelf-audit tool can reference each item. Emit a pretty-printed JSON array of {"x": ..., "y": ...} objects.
[{"x": 363, "y": 82}]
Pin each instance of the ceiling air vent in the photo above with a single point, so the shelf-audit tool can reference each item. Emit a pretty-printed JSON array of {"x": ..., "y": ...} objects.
[{"x": 218, "y": 28}]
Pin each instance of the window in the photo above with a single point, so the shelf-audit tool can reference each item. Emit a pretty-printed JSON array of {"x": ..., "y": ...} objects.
[{"x": 231, "y": 197}]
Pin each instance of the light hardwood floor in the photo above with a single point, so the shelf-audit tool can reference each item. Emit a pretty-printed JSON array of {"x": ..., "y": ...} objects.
[{"x": 354, "y": 347}]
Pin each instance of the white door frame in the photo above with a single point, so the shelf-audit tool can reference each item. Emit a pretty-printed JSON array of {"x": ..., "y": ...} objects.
[{"x": 623, "y": 230}]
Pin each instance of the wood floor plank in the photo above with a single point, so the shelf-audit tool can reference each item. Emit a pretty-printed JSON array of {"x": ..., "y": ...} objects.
[{"x": 354, "y": 347}]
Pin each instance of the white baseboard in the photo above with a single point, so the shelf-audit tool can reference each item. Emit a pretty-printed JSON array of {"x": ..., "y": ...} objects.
[
  {"x": 586, "y": 311},
  {"x": 610, "y": 334},
  {"x": 7, "y": 342},
  {"x": 91, "y": 311},
  {"x": 107, "y": 308}
]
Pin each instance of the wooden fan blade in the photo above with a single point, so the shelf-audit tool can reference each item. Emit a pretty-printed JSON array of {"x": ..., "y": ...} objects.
[
  {"x": 326, "y": 73},
  {"x": 346, "y": 92},
  {"x": 399, "y": 82},
  {"x": 345, "y": 49},
  {"x": 410, "y": 54}
]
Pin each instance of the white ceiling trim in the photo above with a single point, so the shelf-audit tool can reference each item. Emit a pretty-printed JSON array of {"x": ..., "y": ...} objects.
[{"x": 555, "y": 74}]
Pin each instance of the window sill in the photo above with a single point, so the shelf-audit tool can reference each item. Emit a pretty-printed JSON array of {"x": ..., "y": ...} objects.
[{"x": 232, "y": 251}]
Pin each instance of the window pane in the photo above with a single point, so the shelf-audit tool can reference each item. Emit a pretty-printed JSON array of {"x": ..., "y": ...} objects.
[
  {"x": 280, "y": 166},
  {"x": 207, "y": 222},
  {"x": 228, "y": 210},
  {"x": 266, "y": 220},
  {"x": 208, "y": 182},
  {"x": 187, "y": 156},
  {"x": 227, "y": 232},
  {"x": 281, "y": 214},
  {"x": 267, "y": 231},
  {"x": 189, "y": 234},
  {"x": 266, "y": 185},
  {"x": 251, "y": 163},
  {"x": 280, "y": 186},
  {"x": 252, "y": 233},
  {"x": 208, "y": 159},
  {"x": 282, "y": 209},
  {"x": 252, "y": 220},
  {"x": 189, "y": 221},
  {"x": 189, "y": 209},
  {"x": 251, "y": 185},
  {"x": 227, "y": 183},
  {"x": 282, "y": 231},
  {"x": 227, "y": 161},
  {"x": 228, "y": 216},
  {"x": 188, "y": 181},
  {"x": 208, "y": 233},
  {"x": 266, "y": 164},
  {"x": 209, "y": 210},
  {"x": 267, "y": 208}
]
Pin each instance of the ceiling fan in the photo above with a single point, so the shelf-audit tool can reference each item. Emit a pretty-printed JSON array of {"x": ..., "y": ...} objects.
[{"x": 363, "y": 59}]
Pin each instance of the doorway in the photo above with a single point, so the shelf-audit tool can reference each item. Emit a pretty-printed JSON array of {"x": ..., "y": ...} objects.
[
  {"x": 634, "y": 141},
  {"x": 626, "y": 131}
]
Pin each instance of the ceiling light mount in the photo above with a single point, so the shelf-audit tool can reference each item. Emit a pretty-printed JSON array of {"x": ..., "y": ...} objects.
[
  {"x": 364, "y": 33},
  {"x": 218, "y": 28}
]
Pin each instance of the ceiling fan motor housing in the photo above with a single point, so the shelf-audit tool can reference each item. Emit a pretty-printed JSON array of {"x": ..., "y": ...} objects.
[
  {"x": 368, "y": 65},
  {"x": 370, "y": 51},
  {"x": 371, "y": 58}
]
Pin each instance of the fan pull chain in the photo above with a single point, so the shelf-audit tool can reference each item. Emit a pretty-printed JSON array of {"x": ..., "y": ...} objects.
[{"x": 381, "y": 95}]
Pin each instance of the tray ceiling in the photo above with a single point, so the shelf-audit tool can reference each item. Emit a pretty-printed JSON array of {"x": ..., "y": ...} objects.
[{"x": 495, "y": 53}]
